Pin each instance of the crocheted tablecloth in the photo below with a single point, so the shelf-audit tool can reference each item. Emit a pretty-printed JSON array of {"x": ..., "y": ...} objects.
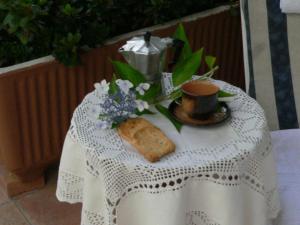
[{"x": 219, "y": 175}]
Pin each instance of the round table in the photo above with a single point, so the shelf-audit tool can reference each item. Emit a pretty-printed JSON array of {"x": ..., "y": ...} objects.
[{"x": 219, "y": 175}]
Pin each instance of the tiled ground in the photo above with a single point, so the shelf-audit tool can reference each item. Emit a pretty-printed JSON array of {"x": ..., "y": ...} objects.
[{"x": 39, "y": 207}]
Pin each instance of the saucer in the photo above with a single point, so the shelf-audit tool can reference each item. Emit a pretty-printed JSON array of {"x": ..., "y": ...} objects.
[{"x": 222, "y": 113}]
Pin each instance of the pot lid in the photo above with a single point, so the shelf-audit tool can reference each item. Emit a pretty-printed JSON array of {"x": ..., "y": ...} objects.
[{"x": 146, "y": 44}]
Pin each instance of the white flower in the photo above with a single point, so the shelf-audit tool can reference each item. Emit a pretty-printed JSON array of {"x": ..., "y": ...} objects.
[
  {"x": 142, "y": 88},
  {"x": 124, "y": 113},
  {"x": 133, "y": 116},
  {"x": 124, "y": 85},
  {"x": 102, "y": 87},
  {"x": 103, "y": 124},
  {"x": 141, "y": 105}
]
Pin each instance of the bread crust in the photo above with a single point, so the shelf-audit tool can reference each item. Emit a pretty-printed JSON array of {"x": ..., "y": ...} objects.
[{"x": 149, "y": 140}]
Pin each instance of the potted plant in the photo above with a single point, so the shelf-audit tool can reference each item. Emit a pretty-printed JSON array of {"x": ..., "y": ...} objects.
[{"x": 37, "y": 97}]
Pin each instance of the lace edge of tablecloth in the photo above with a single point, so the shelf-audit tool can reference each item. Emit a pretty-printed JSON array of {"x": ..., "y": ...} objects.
[
  {"x": 69, "y": 187},
  {"x": 63, "y": 195}
]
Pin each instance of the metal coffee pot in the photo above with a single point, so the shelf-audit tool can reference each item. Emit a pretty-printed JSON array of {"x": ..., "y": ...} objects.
[{"x": 147, "y": 54}]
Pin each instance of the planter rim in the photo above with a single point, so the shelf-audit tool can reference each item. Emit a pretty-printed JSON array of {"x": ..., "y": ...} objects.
[{"x": 192, "y": 17}]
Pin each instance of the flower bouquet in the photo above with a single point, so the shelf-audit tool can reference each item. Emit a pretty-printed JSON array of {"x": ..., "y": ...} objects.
[{"x": 118, "y": 101}]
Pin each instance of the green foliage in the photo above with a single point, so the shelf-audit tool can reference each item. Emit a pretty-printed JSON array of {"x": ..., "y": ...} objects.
[
  {"x": 11, "y": 53},
  {"x": 187, "y": 68},
  {"x": 145, "y": 112},
  {"x": 152, "y": 94},
  {"x": 113, "y": 87},
  {"x": 127, "y": 72},
  {"x": 164, "y": 111},
  {"x": 43, "y": 27},
  {"x": 210, "y": 61},
  {"x": 190, "y": 62},
  {"x": 224, "y": 94},
  {"x": 181, "y": 35},
  {"x": 35, "y": 28},
  {"x": 66, "y": 49}
]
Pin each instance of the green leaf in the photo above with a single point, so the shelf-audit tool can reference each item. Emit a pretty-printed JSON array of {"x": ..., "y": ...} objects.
[
  {"x": 23, "y": 22},
  {"x": 176, "y": 94},
  {"x": 186, "y": 69},
  {"x": 24, "y": 38},
  {"x": 181, "y": 35},
  {"x": 66, "y": 49},
  {"x": 114, "y": 125},
  {"x": 127, "y": 72},
  {"x": 164, "y": 111},
  {"x": 113, "y": 87},
  {"x": 145, "y": 112},
  {"x": 210, "y": 61},
  {"x": 223, "y": 94},
  {"x": 68, "y": 9},
  {"x": 12, "y": 21},
  {"x": 73, "y": 38},
  {"x": 42, "y": 2}
]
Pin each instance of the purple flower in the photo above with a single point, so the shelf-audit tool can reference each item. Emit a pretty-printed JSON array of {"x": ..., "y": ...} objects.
[
  {"x": 124, "y": 85},
  {"x": 116, "y": 107},
  {"x": 141, "y": 105},
  {"x": 142, "y": 88}
]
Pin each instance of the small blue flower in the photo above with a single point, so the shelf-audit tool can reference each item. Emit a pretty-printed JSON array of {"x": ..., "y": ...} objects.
[{"x": 116, "y": 107}]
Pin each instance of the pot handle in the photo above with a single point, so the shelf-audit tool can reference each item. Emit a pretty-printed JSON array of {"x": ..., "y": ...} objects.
[{"x": 178, "y": 46}]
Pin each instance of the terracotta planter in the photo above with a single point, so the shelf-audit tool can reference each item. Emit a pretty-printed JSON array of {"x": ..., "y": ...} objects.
[{"x": 37, "y": 98}]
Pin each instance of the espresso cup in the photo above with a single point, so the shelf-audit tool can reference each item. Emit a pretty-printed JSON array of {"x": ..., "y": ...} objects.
[{"x": 199, "y": 99}]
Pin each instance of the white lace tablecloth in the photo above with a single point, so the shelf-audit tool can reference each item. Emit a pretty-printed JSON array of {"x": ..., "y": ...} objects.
[{"x": 220, "y": 175}]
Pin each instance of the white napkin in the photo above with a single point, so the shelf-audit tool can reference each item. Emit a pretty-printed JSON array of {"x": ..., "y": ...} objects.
[{"x": 290, "y": 6}]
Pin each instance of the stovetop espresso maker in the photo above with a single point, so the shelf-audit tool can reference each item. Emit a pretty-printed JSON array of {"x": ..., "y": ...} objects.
[{"x": 147, "y": 54}]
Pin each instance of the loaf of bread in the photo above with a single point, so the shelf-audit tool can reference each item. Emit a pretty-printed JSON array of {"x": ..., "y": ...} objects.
[{"x": 149, "y": 140}]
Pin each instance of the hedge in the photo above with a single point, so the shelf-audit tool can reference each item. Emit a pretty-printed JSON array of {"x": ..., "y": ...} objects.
[{"x": 34, "y": 28}]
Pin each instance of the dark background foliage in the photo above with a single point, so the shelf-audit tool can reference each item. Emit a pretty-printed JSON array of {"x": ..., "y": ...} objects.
[{"x": 33, "y": 28}]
